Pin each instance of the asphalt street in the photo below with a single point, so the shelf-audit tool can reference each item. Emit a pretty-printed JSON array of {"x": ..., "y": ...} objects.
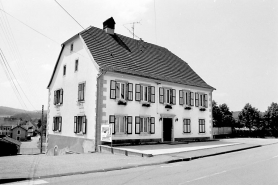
[{"x": 254, "y": 166}]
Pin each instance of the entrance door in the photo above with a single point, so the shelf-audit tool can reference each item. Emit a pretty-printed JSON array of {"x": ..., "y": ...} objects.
[{"x": 167, "y": 129}]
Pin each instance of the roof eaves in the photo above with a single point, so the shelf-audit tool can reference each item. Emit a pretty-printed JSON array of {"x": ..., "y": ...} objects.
[{"x": 52, "y": 76}]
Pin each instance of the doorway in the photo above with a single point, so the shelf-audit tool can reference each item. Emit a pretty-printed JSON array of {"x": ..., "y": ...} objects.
[{"x": 167, "y": 129}]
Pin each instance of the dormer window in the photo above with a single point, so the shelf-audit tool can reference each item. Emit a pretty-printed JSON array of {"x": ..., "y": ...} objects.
[{"x": 144, "y": 93}]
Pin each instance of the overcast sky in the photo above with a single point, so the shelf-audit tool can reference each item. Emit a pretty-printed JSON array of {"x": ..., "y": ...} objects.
[{"x": 231, "y": 44}]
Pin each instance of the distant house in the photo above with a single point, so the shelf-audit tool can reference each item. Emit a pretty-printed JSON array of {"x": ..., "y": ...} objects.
[
  {"x": 9, "y": 146},
  {"x": 144, "y": 92},
  {"x": 6, "y": 125},
  {"x": 19, "y": 133}
]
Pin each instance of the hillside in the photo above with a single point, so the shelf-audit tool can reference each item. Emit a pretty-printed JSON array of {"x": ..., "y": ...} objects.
[{"x": 20, "y": 113}]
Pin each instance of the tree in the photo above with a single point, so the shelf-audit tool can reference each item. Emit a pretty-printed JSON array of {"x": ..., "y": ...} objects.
[
  {"x": 227, "y": 116},
  {"x": 249, "y": 117},
  {"x": 271, "y": 118},
  {"x": 216, "y": 115}
]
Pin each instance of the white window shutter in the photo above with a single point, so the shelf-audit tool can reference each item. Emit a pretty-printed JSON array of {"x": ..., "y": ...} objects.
[
  {"x": 75, "y": 124},
  {"x": 60, "y": 124},
  {"x": 84, "y": 125}
]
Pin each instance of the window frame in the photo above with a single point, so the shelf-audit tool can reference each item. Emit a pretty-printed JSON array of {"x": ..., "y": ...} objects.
[
  {"x": 64, "y": 70},
  {"x": 80, "y": 124},
  {"x": 18, "y": 132},
  {"x": 184, "y": 97},
  {"x": 76, "y": 65},
  {"x": 139, "y": 125},
  {"x": 167, "y": 95},
  {"x": 81, "y": 92},
  {"x": 202, "y": 126},
  {"x": 127, "y": 124},
  {"x": 58, "y": 96},
  {"x": 203, "y": 100},
  {"x": 57, "y": 124},
  {"x": 125, "y": 88},
  {"x": 144, "y": 93},
  {"x": 186, "y": 125}
]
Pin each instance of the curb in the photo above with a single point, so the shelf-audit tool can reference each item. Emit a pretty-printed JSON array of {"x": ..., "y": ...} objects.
[{"x": 131, "y": 166}]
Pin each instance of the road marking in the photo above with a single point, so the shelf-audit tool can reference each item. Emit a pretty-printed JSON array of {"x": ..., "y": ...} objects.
[
  {"x": 203, "y": 177},
  {"x": 32, "y": 182},
  {"x": 275, "y": 156}
]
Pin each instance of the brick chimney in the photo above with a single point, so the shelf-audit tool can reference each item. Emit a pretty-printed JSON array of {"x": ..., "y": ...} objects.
[{"x": 109, "y": 26}]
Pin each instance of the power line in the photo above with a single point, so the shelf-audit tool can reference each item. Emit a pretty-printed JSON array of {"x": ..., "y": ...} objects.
[
  {"x": 69, "y": 14},
  {"x": 15, "y": 78}
]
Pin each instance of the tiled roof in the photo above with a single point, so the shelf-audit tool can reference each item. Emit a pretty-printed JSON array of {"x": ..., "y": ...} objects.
[{"x": 122, "y": 54}]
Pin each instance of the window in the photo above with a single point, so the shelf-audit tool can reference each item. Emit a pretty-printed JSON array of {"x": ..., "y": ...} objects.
[
  {"x": 167, "y": 95},
  {"x": 18, "y": 132},
  {"x": 80, "y": 124},
  {"x": 58, "y": 97},
  {"x": 185, "y": 97},
  {"x": 186, "y": 126},
  {"x": 71, "y": 47},
  {"x": 201, "y": 100},
  {"x": 76, "y": 65},
  {"x": 202, "y": 126},
  {"x": 57, "y": 124},
  {"x": 144, "y": 93},
  {"x": 121, "y": 124},
  {"x": 81, "y": 92},
  {"x": 144, "y": 125},
  {"x": 64, "y": 71},
  {"x": 121, "y": 90}
]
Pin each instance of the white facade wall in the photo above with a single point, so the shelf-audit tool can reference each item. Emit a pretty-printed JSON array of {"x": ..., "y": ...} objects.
[
  {"x": 87, "y": 72},
  {"x": 157, "y": 110}
]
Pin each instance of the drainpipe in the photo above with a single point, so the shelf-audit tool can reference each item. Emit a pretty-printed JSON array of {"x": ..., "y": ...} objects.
[{"x": 99, "y": 101}]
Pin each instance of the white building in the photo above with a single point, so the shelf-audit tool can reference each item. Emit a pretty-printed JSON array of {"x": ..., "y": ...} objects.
[{"x": 146, "y": 92}]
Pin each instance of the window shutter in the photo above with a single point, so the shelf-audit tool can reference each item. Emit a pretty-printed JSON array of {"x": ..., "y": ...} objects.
[
  {"x": 197, "y": 99},
  {"x": 187, "y": 98},
  {"x": 173, "y": 96},
  {"x": 149, "y": 93},
  {"x": 112, "y": 89},
  {"x": 53, "y": 125},
  {"x": 206, "y": 100},
  {"x": 152, "y": 94},
  {"x": 130, "y": 91},
  {"x": 161, "y": 95},
  {"x": 54, "y": 98},
  {"x": 118, "y": 90},
  {"x": 84, "y": 124},
  {"x": 61, "y": 96},
  {"x": 191, "y": 98},
  {"x": 129, "y": 125},
  {"x": 60, "y": 124},
  {"x": 181, "y": 97},
  {"x": 137, "y": 125},
  {"x": 75, "y": 124},
  {"x": 112, "y": 122},
  {"x": 141, "y": 92},
  {"x": 152, "y": 129},
  {"x": 137, "y": 92}
]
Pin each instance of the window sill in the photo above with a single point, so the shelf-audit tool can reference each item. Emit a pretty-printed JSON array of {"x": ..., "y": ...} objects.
[
  {"x": 202, "y": 133},
  {"x": 187, "y": 133},
  {"x": 56, "y": 131},
  {"x": 80, "y": 134},
  {"x": 120, "y": 134},
  {"x": 144, "y": 134}
]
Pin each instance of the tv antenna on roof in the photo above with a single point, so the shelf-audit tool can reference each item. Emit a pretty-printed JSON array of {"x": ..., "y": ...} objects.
[{"x": 133, "y": 27}]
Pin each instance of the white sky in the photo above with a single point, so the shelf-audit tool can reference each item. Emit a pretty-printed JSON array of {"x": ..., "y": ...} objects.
[{"x": 231, "y": 44}]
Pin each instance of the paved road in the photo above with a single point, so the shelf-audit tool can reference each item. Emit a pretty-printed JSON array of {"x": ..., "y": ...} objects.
[{"x": 254, "y": 166}]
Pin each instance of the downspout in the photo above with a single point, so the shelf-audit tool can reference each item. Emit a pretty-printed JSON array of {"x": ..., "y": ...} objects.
[{"x": 99, "y": 102}]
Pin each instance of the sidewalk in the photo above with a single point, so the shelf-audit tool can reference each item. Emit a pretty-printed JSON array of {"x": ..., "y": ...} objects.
[{"x": 42, "y": 166}]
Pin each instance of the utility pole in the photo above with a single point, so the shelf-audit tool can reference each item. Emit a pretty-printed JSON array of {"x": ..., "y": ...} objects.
[{"x": 42, "y": 129}]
